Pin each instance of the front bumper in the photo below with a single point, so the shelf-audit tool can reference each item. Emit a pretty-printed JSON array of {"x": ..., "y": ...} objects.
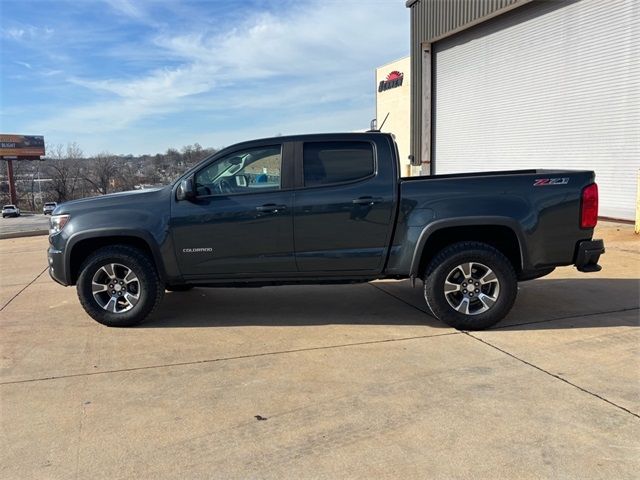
[
  {"x": 588, "y": 254},
  {"x": 56, "y": 265}
]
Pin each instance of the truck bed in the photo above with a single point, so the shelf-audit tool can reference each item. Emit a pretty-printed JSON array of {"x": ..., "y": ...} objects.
[{"x": 545, "y": 216}]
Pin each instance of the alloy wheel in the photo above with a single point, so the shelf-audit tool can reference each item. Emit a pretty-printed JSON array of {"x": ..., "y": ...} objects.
[
  {"x": 116, "y": 288},
  {"x": 471, "y": 288}
]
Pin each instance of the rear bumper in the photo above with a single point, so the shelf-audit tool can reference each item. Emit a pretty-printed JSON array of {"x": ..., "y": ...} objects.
[{"x": 588, "y": 254}]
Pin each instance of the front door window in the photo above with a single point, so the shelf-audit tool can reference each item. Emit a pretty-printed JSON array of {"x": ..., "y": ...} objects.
[{"x": 249, "y": 171}]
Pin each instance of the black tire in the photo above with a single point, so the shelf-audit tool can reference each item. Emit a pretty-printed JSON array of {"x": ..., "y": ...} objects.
[
  {"x": 178, "y": 288},
  {"x": 149, "y": 287},
  {"x": 448, "y": 265}
]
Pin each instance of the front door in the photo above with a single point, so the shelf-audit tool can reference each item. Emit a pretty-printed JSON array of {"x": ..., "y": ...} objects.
[{"x": 240, "y": 223}]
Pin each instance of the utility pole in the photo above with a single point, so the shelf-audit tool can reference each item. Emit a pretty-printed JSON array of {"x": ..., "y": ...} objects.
[{"x": 13, "y": 198}]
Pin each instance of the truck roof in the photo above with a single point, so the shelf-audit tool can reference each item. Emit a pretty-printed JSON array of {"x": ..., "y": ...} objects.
[{"x": 310, "y": 137}]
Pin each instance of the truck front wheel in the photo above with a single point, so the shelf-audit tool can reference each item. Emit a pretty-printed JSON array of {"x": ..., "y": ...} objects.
[
  {"x": 470, "y": 286},
  {"x": 119, "y": 286}
]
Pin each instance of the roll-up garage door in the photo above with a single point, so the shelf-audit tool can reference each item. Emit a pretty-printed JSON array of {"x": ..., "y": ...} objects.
[{"x": 547, "y": 85}]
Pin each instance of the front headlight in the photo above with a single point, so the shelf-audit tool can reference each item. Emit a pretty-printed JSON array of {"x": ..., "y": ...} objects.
[{"x": 57, "y": 223}]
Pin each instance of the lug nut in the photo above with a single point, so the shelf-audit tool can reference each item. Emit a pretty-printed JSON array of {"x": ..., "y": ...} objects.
[
  {"x": 110, "y": 286},
  {"x": 464, "y": 291},
  {"x": 464, "y": 284},
  {"x": 113, "y": 292},
  {"x": 477, "y": 284},
  {"x": 471, "y": 294}
]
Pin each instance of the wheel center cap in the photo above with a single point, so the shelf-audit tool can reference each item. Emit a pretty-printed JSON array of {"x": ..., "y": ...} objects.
[{"x": 117, "y": 287}]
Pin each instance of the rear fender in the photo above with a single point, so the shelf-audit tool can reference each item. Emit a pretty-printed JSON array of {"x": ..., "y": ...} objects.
[{"x": 486, "y": 221}]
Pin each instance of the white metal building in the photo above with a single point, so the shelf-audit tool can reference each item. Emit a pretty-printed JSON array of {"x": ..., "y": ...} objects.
[
  {"x": 507, "y": 84},
  {"x": 393, "y": 102}
]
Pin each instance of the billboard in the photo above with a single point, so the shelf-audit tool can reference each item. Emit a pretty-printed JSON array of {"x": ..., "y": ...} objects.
[{"x": 21, "y": 146}]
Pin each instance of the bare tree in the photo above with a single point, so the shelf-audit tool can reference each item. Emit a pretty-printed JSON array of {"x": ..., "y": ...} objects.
[
  {"x": 69, "y": 175},
  {"x": 64, "y": 168},
  {"x": 101, "y": 172},
  {"x": 127, "y": 175},
  {"x": 32, "y": 192}
]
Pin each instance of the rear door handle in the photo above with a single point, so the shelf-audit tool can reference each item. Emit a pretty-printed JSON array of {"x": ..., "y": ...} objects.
[
  {"x": 271, "y": 208},
  {"x": 367, "y": 200}
]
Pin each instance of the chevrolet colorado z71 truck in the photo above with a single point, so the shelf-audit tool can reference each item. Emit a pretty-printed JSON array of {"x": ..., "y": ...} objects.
[{"x": 327, "y": 208}]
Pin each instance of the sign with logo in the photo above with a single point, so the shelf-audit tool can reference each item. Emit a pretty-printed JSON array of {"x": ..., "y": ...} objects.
[
  {"x": 394, "y": 79},
  {"x": 21, "y": 146}
]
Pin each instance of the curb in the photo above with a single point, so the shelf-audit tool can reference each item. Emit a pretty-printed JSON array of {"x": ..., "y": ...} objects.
[{"x": 31, "y": 233}]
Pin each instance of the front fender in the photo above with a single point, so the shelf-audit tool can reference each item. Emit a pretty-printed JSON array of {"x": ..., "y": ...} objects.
[{"x": 143, "y": 235}]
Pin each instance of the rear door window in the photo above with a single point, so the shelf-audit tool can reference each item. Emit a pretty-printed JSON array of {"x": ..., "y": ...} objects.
[{"x": 326, "y": 163}]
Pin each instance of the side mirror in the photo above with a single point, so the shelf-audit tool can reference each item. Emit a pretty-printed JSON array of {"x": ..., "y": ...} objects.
[{"x": 185, "y": 190}]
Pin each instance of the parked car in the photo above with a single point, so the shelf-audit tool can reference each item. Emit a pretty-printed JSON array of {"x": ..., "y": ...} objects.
[
  {"x": 333, "y": 210},
  {"x": 48, "y": 208},
  {"x": 10, "y": 211}
]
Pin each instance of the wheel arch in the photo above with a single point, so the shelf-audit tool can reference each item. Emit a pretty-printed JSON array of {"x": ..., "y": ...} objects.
[
  {"x": 81, "y": 245},
  {"x": 502, "y": 233}
]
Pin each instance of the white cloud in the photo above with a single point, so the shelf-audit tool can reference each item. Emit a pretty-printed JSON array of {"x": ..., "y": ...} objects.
[
  {"x": 27, "y": 33},
  {"x": 131, "y": 10},
  {"x": 127, "y": 8},
  {"x": 311, "y": 55},
  {"x": 14, "y": 33}
]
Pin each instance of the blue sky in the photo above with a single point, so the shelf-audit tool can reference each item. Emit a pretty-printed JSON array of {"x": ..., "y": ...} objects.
[{"x": 138, "y": 76}]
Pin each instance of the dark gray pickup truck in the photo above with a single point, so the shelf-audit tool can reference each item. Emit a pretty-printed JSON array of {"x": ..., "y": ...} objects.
[{"x": 328, "y": 208}]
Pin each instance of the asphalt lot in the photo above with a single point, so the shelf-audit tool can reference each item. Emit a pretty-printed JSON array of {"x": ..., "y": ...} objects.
[
  {"x": 25, "y": 223},
  {"x": 354, "y": 381}
]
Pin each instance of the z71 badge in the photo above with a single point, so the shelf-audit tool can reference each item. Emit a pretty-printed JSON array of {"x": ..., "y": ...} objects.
[{"x": 540, "y": 182}]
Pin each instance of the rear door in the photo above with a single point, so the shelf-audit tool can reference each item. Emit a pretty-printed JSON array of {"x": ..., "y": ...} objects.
[{"x": 344, "y": 205}]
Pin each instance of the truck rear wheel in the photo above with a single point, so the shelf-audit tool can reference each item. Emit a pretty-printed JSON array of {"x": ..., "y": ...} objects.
[
  {"x": 119, "y": 286},
  {"x": 470, "y": 286}
]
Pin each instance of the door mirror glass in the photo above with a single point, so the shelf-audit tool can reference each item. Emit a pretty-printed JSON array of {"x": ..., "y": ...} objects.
[{"x": 185, "y": 190}]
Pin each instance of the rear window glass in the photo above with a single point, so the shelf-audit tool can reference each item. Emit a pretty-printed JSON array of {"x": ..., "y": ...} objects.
[{"x": 336, "y": 162}]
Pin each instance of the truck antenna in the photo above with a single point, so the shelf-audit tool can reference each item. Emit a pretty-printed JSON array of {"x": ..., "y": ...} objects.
[{"x": 382, "y": 124}]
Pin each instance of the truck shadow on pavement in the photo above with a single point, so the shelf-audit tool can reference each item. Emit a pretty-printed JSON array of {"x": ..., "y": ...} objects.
[{"x": 541, "y": 304}]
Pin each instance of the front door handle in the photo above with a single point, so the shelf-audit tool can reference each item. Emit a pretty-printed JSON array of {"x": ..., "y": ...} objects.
[
  {"x": 271, "y": 208},
  {"x": 367, "y": 200}
]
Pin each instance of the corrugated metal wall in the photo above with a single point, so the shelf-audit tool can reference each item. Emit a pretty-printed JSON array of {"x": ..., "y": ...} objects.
[
  {"x": 551, "y": 85},
  {"x": 431, "y": 20}
]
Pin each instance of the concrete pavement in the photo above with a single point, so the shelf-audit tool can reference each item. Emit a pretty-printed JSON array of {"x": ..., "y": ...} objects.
[
  {"x": 354, "y": 381},
  {"x": 26, "y": 224}
]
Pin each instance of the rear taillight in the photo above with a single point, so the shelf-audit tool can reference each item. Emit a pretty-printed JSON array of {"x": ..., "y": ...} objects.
[{"x": 589, "y": 206}]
